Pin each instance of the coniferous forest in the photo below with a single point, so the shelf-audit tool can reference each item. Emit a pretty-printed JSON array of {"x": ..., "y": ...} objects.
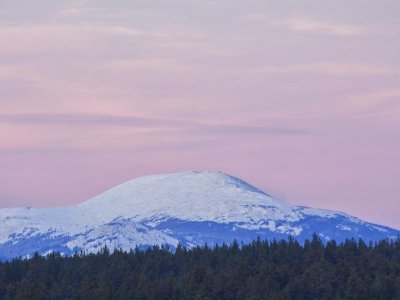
[{"x": 261, "y": 270}]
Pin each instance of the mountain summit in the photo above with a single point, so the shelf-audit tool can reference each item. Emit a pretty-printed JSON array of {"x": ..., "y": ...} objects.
[{"x": 190, "y": 208}]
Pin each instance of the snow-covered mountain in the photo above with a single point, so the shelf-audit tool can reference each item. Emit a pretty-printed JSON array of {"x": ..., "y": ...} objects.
[{"x": 190, "y": 208}]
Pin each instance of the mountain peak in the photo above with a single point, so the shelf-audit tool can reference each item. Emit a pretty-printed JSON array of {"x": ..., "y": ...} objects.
[
  {"x": 193, "y": 178},
  {"x": 189, "y": 195}
]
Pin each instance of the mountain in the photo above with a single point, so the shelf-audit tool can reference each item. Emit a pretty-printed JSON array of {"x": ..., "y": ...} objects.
[{"x": 190, "y": 208}]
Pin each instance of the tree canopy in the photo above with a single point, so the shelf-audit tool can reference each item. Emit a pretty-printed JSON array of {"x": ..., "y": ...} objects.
[{"x": 281, "y": 269}]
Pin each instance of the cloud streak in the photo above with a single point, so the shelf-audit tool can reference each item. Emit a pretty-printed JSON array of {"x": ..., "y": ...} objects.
[
  {"x": 331, "y": 69},
  {"x": 377, "y": 100},
  {"x": 50, "y": 38},
  {"x": 307, "y": 25},
  {"x": 138, "y": 122}
]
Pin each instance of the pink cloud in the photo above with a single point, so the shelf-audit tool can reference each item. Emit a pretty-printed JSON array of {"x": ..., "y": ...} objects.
[
  {"x": 326, "y": 28},
  {"x": 332, "y": 69}
]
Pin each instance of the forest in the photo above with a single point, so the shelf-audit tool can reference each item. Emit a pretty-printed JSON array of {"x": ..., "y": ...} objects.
[{"x": 281, "y": 269}]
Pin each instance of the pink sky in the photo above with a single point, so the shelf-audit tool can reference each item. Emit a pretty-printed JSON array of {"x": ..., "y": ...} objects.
[{"x": 300, "y": 98}]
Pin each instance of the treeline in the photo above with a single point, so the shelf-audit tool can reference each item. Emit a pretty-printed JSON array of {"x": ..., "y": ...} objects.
[{"x": 261, "y": 270}]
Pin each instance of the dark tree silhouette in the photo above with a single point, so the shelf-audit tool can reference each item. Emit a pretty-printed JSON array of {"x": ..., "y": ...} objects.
[{"x": 261, "y": 270}]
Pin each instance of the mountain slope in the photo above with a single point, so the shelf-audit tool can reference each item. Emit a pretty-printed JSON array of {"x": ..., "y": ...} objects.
[{"x": 190, "y": 208}]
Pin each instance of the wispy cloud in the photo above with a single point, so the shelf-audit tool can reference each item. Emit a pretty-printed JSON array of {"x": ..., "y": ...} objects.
[
  {"x": 331, "y": 68},
  {"x": 376, "y": 99},
  {"x": 138, "y": 122},
  {"x": 74, "y": 9},
  {"x": 325, "y": 27},
  {"x": 83, "y": 119},
  {"x": 227, "y": 129},
  {"x": 46, "y": 38},
  {"x": 144, "y": 64}
]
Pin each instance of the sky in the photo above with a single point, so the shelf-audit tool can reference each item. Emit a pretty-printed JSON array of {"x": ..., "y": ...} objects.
[{"x": 299, "y": 98}]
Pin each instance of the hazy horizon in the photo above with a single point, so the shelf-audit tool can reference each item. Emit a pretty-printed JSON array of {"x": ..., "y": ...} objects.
[{"x": 299, "y": 99}]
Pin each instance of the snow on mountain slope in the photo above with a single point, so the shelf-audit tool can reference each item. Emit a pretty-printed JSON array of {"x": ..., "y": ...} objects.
[
  {"x": 191, "y": 208},
  {"x": 120, "y": 234},
  {"x": 188, "y": 196}
]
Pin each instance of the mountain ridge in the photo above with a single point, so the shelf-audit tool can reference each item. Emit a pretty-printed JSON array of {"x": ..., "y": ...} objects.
[{"x": 190, "y": 208}]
